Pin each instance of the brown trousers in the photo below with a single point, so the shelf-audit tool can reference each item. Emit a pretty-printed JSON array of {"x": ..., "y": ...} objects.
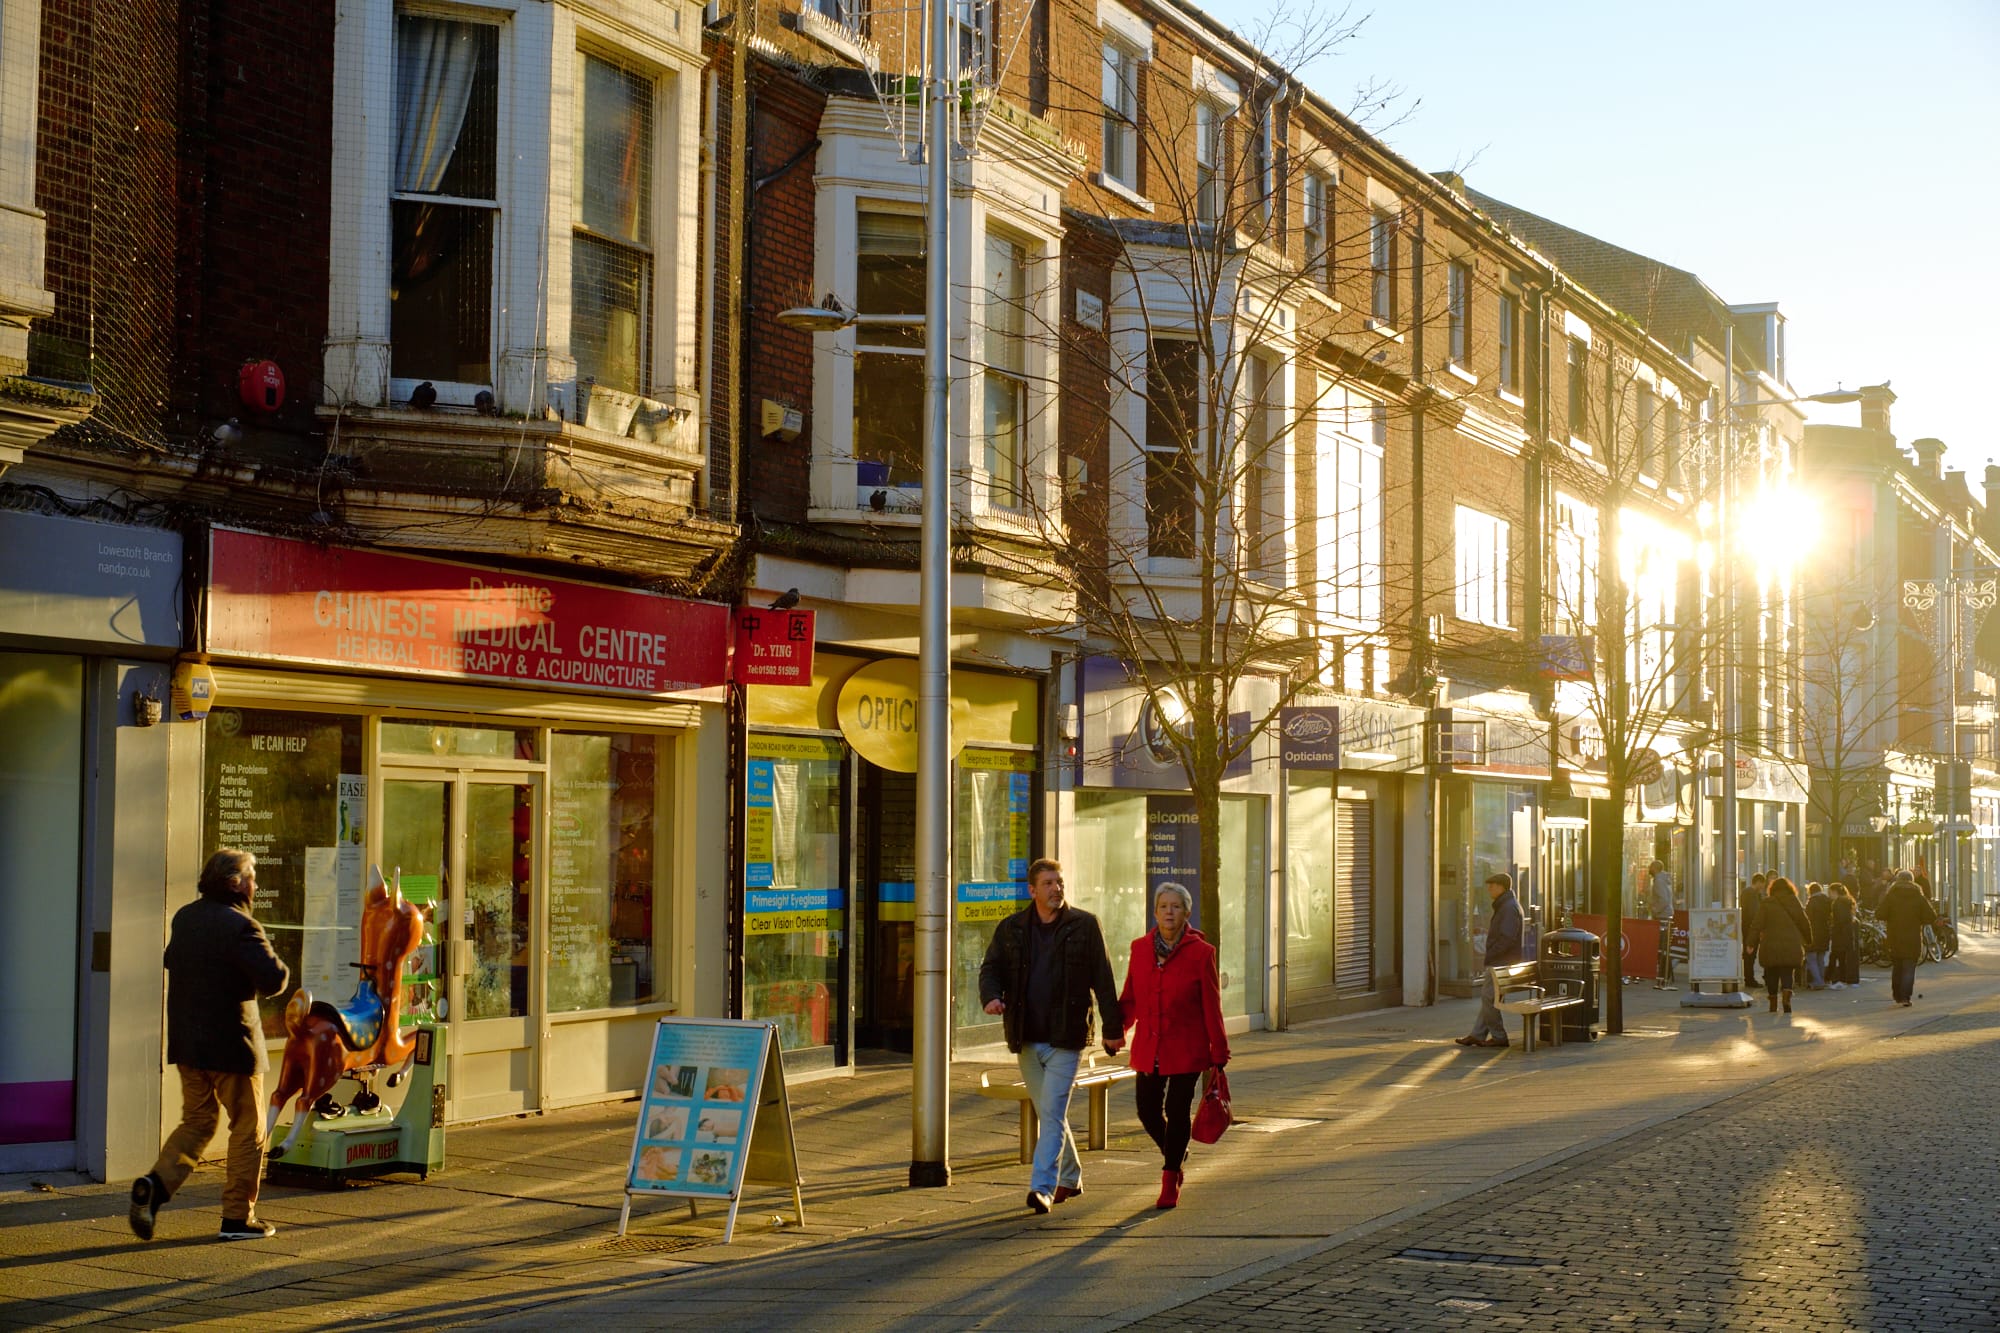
[{"x": 205, "y": 1095}]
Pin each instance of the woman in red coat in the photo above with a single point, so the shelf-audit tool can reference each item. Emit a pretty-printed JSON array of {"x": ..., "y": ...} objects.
[{"x": 1174, "y": 997}]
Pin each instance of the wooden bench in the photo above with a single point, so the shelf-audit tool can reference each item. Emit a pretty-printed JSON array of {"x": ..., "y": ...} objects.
[
  {"x": 1093, "y": 1078},
  {"x": 1519, "y": 990}
]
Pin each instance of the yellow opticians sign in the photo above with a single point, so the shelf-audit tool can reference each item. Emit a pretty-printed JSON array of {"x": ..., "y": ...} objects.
[{"x": 878, "y": 714}]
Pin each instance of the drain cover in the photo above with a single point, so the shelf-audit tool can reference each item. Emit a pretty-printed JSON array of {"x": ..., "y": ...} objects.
[
  {"x": 653, "y": 1244},
  {"x": 1468, "y": 1257}
]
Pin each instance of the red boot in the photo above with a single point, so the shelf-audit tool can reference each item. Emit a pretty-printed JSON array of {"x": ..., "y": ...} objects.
[{"x": 1170, "y": 1189}]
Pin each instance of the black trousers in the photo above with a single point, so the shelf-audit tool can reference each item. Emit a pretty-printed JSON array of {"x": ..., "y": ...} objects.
[
  {"x": 1165, "y": 1105},
  {"x": 1779, "y": 978},
  {"x": 1902, "y": 979}
]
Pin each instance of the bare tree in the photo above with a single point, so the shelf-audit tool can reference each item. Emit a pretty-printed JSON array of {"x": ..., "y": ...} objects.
[{"x": 1212, "y": 540}]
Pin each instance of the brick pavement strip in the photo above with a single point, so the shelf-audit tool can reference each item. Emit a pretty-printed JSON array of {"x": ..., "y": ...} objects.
[
  {"x": 1860, "y": 1195},
  {"x": 1370, "y": 1123}
]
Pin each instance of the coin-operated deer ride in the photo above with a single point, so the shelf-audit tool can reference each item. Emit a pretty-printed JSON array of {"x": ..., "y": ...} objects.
[{"x": 359, "y": 1040}]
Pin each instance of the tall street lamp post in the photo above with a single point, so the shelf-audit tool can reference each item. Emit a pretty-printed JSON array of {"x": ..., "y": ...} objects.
[{"x": 1730, "y": 529}]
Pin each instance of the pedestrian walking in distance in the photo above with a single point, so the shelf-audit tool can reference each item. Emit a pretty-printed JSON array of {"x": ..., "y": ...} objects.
[
  {"x": 1503, "y": 946},
  {"x": 1819, "y": 912},
  {"x": 1172, "y": 1001},
  {"x": 1752, "y": 911},
  {"x": 1905, "y": 911},
  {"x": 1782, "y": 940},
  {"x": 218, "y": 963},
  {"x": 1843, "y": 948},
  {"x": 1045, "y": 963},
  {"x": 1663, "y": 914}
]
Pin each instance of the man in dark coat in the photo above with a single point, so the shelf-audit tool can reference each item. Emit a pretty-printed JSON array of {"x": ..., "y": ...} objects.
[
  {"x": 218, "y": 963},
  {"x": 1819, "y": 914},
  {"x": 1039, "y": 974},
  {"x": 1905, "y": 912},
  {"x": 1503, "y": 946}
]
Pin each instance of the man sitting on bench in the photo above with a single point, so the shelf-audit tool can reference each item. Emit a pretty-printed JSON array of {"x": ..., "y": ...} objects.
[{"x": 1503, "y": 946}]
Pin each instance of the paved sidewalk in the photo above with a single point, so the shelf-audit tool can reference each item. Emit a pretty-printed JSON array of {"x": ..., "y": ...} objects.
[{"x": 1356, "y": 1125}]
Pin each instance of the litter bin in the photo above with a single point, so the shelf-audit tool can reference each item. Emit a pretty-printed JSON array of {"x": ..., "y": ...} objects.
[{"x": 1573, "y": 956}]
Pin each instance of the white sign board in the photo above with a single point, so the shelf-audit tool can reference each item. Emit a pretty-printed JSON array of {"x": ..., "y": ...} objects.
[
  {"x": 713, "y": 1114},
  {"x": 1715, "y": 945}
]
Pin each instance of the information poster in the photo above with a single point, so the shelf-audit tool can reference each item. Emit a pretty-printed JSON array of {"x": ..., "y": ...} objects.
[
  {"x": 422, "y": 979},
  {"x": 714, "y": 1088},
  {"x": 285, "y": 787},
  {"x": 993, "y": 841},
  {"x": 1173, "y": 849},
  {"x": 1715, "y": 946},
  {"x": 582, "y": 788}
]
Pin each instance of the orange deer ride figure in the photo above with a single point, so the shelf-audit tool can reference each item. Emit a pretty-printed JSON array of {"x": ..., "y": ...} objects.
[{"x": 361, "y": 1037}]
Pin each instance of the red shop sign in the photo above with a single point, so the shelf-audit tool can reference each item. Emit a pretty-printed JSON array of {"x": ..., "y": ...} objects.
[
  {"x": 293, "y": 601},
  {"x": 774, "y": 647}
]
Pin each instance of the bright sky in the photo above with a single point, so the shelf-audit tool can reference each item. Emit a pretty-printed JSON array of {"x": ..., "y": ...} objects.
[{"x": 1833, "y": 156}]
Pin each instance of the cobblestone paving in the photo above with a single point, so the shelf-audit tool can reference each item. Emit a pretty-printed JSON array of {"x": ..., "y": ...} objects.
[{"x": 1863, "y": 1195}]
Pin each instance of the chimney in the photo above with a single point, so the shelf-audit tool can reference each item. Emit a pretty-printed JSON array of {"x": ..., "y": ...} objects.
[
  {"x": 1875, "y": 401},
  {"x": 1930, "y": 457},
  {"x": 1989, "y": 522}
]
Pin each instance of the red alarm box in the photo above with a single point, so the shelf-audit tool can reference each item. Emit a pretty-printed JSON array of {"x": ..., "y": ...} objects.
[{"x": 261, "y": 385}]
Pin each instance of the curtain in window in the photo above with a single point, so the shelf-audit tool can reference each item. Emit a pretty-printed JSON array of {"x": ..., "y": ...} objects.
[{"x": 436, "y": 63}]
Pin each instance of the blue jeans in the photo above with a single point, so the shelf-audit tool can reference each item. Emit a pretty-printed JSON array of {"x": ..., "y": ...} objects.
[
  {"x": 1816, "y": 969},
  {"x": 1491, "y": 1023},
  {"x": 1049, "y": 1071}
]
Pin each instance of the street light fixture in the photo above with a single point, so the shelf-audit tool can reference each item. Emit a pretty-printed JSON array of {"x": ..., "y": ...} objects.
[{"x": 829, "y": 316}]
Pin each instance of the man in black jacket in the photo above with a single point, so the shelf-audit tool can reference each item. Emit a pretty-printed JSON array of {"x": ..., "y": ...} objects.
[
  {"x": 1905, "y": 911},
  {"x": 1503, "y": 946},
  {"x": 218, "y": 963},
  {"x": 1044, "y": 965}
]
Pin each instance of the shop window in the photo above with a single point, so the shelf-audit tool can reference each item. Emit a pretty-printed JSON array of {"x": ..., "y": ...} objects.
[
  {"x": 402, "y": 738},
  {"x": 290, "y": 789},
  {"x": 607, "y": 923},
  {"x": 42, "y": 701},
  {"x": 995, "y": 800},
  {"x": 1308, "y": 882},
  {"x": 795, "y": 887},
  {"x": 1122, "y": 850}
]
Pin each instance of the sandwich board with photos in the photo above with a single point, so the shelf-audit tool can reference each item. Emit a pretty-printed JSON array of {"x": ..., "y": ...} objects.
[{"x": 713, "y": 1115}]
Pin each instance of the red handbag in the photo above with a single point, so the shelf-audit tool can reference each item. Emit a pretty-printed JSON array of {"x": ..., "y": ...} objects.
[{"x": 1213, "y": 1117}]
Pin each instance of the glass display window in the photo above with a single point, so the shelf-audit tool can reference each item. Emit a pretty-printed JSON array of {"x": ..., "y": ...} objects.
[
  {"x": 290, "y": 788},
  {"x": 1309, "y": 857},
  {"x": 995, "y": 807},
  {"x": 795, "y": 887},
  {"x": 607, "y": 932},
  {"x": 1126, "y": 843}
]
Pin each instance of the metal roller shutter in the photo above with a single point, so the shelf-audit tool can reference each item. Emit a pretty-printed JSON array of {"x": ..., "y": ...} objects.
[{"x": 1354, "y": 896}]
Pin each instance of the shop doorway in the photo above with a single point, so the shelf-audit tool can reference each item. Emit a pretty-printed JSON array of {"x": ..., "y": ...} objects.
[
  {"x": 885, "y": 961},
  {"x": 465, "y": 841}
]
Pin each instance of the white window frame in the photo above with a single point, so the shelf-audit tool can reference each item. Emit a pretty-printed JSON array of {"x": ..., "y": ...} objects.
[
  {"x": 1316, "y": 227},
  {"x": 1509, "y": 321},
  {"x": 532, "y": 364},
  {"x": 1013, "y": 494},
  {"x": 1576, "y": 551},
  {"x": 1383, "y": 306},
  {"x": 1211, "y": 158},
  {"x": 861, "y": 167},
  {"x": 1352, "y": 441},
  {"x": 1263, "y": 171},
  {"x": 1480, "y": 546},
  {"x": 580, "y": 232},
  {"x": 1119, "y": 75},
  {"x": 1267, "y": 468},
  {"x": 1458, "y": 313}
]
